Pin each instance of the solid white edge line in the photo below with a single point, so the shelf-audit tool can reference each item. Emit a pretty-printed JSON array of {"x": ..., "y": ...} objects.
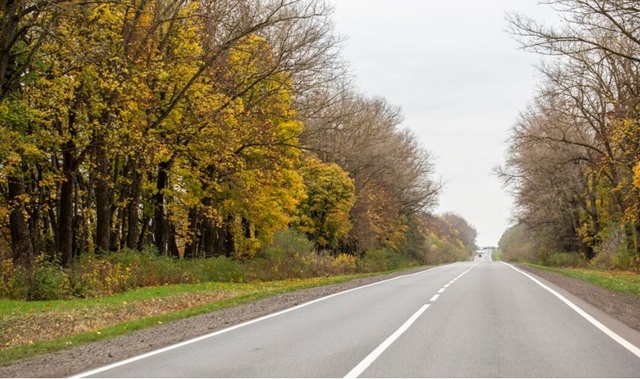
[
  {"x": 613, "y": 335},
  {"x": 184, "y": 343},
  {"x": 365, "y": 363}
]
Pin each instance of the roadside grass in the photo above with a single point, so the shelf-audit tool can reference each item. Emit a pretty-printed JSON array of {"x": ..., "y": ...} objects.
[
  {"x": 627, "y": 282},
  {"x": 38, "y": 327}
]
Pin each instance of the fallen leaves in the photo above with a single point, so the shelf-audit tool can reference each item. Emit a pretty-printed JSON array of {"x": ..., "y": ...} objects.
[{"x": 29, "y": 328}]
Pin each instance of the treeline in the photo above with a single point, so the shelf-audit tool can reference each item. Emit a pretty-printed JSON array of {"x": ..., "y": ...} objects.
[
  {"x": 200, "y": 128},
  {"x": 573, "y": 160}
]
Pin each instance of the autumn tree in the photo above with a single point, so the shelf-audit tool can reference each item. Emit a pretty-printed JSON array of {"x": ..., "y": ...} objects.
[
  {"x": 324, "y": 213},
  {"x": 200, "y": 128},
  {"x": 589, "y": 117},
  {"x": 391, "y": 172},
  {"x": 548, "y": 177},
  {"x": 448, "y": 238},
  {"x": 23, "y": 29},
  {"x": 119, "y": 100},
  {"x": 464, "y": 232}
]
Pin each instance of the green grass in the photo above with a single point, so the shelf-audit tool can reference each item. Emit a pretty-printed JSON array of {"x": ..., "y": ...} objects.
[
  {"x": 619, "y": 281},
  {"x": 242, "y": 293}
]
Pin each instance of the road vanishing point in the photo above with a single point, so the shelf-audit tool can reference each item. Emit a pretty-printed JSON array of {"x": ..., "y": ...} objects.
[{"x": 468, "y": 319}]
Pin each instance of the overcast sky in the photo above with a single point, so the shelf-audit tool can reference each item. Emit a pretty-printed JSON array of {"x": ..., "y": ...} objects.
[{"x": 460, "y": 80}]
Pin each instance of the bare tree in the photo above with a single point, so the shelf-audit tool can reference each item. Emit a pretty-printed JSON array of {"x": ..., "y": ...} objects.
[
  {"x": 586, "y": 25},
  {"x": 393, "y": 174},
  {"x": 587, "y": 113}
]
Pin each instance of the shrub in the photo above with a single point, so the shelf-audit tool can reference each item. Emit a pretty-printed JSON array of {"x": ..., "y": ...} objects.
[
  {"x": 612, "y": 252},
  {"x": 564, "y": 260},
  {"x": 219, "y": 269},
  {"x": 8, "y": 286},
  {"x": 344, "y": 264},
  {"x": 50, "y": 281},
  {"x": 290, "y": 255},
  {"x": 375, "y": 260},
  {"x": 444, "y": 251},
  {"x": 99, "y": 276},
  {"x": 396, "y": 261},
  {"x": 148, "y": 268},
  {"x": 287, "y": 243}
]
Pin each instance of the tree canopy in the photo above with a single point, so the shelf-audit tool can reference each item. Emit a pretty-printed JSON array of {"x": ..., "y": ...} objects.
[
  {"x": 200, "y": 128},
  {"x": 573, "y": 156}
]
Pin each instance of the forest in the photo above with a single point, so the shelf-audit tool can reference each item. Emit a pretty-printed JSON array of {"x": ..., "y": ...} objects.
[
  {"x": 573, "y": 158},
  {"x": 202, "y": 135}
]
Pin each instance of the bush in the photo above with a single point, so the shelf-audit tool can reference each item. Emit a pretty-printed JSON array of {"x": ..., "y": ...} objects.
[
  {"x": 441, "y": 251},
  {"x": 396, "y": 261},
  {"x": 375, "y": 260},
  {"x": 50, "y": 281},
  {"x": 219, "y": 269},
  {"x": 288, "y": 243},
  {"x": 290, "y": 255},
  {"x": 45, "y": 281},
  {"x": 343, "y": 264},
  {"x": 564, "y": 260},
  {"x": 148, "y": 268},
  {"x": 100, "y": 276},
  {"x": 612, "y": 253},
  {"x": 8, "y": 288}
]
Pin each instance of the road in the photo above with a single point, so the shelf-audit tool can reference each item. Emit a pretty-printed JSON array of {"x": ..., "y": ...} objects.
[{"x": 470, "y": 319}]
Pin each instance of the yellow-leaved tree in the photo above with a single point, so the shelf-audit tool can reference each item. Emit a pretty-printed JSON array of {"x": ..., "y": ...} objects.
[
  {"x": 330, "y": 194},
  {"x": 246, "y": 154}
]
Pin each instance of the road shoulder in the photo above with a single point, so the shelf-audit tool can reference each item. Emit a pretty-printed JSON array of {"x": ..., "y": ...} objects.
[{"x": 624, "y": 307}]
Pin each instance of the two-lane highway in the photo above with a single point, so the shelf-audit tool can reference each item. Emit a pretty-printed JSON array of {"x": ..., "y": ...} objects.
[{"x": 472, "y": 319}]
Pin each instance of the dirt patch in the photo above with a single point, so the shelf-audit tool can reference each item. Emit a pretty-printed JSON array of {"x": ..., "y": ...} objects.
[{"x": 83, "y": 358}]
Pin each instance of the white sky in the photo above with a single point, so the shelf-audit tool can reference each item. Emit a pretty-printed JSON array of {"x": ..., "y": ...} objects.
[{"x": 460, "y": 80}]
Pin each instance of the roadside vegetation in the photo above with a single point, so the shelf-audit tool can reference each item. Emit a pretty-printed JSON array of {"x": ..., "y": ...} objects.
[
  {"x": 573, "y": 157},
  {"x": 290, "y": 256}
]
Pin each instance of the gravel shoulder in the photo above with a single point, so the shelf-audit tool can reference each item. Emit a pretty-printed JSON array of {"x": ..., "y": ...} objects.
[{"x": 625, "y": 308}]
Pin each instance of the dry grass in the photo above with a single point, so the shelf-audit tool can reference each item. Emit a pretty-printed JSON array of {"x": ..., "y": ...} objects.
[{"x": 20, "y": 329}]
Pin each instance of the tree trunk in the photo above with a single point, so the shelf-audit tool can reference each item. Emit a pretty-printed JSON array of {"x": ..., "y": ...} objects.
[
  {"x": 246, "y": 228},
  {"x": 142, "y": 238},
  {"x": 228, "y": 240},
  {"x": 191, "y": 247},
  {"x": 65, "y": 218},
  {"x": 132, "y": 206},
  {"x": 171, "y": 239},
  {"x": 23, "y": 254},
  {"x": 210, "y": 239},
  {"x": 11, "y": 10},
  {"x": 160, "y": 227},
  {"x": 103, "y": 206}
]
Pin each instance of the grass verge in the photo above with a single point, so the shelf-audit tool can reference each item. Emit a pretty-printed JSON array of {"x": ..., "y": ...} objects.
[
  {"x": 38, "y": 327},
  {"x": 619, "y": 281}
]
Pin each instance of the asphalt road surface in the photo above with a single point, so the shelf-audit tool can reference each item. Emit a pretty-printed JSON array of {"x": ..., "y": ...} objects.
[{"x": 471, "y": 319}]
